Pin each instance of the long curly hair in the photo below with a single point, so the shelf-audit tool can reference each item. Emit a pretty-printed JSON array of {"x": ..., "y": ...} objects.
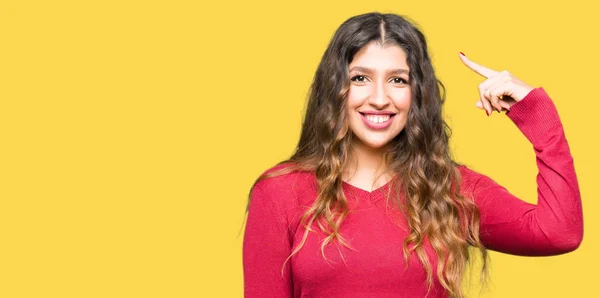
[{"x": 424, "y": 172}]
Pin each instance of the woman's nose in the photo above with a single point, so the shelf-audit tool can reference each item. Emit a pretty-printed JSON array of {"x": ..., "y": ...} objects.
[{"x": 379, "y": 96}]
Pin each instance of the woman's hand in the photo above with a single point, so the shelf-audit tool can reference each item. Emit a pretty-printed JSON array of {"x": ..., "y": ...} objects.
[{"x": 501, "y": 89}]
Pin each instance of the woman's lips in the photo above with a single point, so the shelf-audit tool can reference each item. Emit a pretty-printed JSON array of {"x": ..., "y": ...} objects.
[{"x": 374, "y": 125}]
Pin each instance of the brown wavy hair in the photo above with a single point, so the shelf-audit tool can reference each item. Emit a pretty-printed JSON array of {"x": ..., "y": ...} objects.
[{"x": 424, "y": 172}]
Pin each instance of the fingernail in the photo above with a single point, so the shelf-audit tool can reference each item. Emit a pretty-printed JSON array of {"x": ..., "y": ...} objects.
[
  {"x": 463, "y": 54},
  {"x": 486, "y": 112}
]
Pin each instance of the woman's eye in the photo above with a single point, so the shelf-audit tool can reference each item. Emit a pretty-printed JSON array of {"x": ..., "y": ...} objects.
[
  {"x": 358, "y": 79},
  {"x": 362, "y": 79},
  {"x": 399, "y": 80}
]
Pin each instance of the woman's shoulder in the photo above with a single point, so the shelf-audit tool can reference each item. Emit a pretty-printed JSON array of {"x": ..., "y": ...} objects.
[
  {"x": 467, "y": 172},
  {"x": 472, "y": 180},
  {"x": 283, "y": 179}
]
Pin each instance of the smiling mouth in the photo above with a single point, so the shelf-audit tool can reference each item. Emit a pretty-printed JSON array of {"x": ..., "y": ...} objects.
[{"x": 378, "y": 118}]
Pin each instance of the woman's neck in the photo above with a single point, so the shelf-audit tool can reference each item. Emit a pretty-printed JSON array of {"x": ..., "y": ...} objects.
[{"x": 367, "y": 168}]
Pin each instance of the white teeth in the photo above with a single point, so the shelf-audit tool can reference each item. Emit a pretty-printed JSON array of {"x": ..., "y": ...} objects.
[{"x": 377, "y": 119}]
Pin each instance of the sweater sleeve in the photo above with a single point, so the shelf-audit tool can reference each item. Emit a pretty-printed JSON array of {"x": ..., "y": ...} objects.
[
  {"x": 555, "y": 224},
  {"x": 266, "y": 246}
]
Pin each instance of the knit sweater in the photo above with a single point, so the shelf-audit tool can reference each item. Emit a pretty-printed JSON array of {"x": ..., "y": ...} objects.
[{"x": 375, "y": 267}]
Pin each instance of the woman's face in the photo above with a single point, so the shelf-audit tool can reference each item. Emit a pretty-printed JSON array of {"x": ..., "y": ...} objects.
[{"x": 379, "y": 97}]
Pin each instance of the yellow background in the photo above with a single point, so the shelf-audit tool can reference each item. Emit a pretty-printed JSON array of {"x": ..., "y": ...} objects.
[{"x": 131, "y": 131}]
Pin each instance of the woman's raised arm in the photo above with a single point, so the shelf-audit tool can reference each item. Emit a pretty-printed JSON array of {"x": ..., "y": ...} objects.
[{"x": 553, "y": 226}]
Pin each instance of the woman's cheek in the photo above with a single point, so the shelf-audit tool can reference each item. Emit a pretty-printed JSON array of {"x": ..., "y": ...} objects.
[
  {"x": 402, "y": 98},
  {"x": 356, "y": 94}
]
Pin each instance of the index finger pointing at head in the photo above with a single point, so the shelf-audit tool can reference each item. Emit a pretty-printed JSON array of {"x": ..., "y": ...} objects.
[{"x": 480, "y": 69}]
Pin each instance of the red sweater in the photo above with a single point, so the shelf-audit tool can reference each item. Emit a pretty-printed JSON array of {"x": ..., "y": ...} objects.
[{"x": 377, "y": 267}]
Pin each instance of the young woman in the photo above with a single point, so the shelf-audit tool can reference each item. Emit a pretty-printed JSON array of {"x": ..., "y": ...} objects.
[{"x": 371, "y": 203}]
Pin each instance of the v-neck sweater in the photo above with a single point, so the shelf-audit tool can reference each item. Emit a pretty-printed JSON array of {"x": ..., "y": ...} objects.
[{"x": 376, "y": 267}]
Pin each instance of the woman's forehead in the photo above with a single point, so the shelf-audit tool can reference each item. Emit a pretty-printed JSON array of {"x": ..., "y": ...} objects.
[{"x": 374, "y": 56}]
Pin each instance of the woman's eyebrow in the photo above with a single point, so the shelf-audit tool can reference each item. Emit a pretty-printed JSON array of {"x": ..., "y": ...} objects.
[{"x": 389, "y": 71}]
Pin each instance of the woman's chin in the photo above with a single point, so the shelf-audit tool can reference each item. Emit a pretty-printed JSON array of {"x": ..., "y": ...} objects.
[{"x": 374, "y": 144}]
